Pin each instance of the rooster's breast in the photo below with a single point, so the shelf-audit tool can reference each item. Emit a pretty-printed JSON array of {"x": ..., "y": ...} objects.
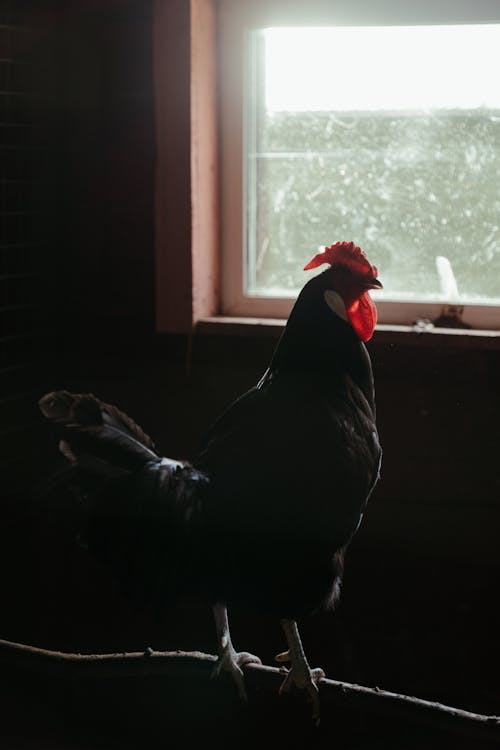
[{"x": 294, "y": 457}]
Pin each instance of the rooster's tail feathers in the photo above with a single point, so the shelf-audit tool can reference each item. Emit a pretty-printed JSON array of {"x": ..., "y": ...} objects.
[
  {"x": 142, "y": 514},
  {"x": 96, "y": 436}
]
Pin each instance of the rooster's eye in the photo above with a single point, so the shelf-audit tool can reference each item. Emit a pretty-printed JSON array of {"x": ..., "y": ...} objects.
[{"x": 335, "y": 303}]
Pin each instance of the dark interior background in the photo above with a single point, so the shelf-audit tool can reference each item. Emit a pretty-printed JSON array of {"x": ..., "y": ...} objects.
[{"x": 420, "y": 611}]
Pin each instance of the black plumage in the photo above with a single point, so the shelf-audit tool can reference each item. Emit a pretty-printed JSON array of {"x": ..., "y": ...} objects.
[
  {"x": 267, "y": 507},
  {"x": 142, "y": 512},
  {"x": 291, "y": 466}
]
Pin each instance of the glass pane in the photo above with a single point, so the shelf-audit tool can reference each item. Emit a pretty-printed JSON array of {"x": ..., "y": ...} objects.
[{"x": 386, "y": 136}]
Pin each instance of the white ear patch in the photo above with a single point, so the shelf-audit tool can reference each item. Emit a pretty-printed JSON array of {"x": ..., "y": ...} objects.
[{"x": 335, "y": 303}]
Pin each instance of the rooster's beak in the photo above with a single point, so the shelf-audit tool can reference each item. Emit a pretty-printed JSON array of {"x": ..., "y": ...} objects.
[{"x": 374, "y": 284}]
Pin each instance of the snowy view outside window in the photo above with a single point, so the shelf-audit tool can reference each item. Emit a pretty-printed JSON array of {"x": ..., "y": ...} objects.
[{"x": 386, "y": 136}]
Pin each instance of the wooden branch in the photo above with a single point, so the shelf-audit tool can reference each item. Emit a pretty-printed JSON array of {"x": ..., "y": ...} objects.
[{"x": 172, "y": 663}]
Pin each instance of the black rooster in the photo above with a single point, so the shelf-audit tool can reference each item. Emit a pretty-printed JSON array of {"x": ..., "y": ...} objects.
[{"x": 265, "y": 511}]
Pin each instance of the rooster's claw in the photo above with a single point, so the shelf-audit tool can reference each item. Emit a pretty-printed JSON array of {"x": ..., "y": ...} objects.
[
  {"x": 231, "y": 661},
  {"x": 308, "y": 681}
]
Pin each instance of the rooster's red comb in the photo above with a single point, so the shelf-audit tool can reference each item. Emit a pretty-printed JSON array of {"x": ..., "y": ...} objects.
[{"x": 346, "y": 254}]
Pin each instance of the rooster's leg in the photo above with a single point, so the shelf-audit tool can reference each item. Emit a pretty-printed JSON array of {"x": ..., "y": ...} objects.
[
  {"x": 300, "y": 675},
  {"x": 230, "y": 660}
]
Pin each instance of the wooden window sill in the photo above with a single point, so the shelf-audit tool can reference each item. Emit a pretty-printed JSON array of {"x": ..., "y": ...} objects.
[{"x": 390, "y": 335}]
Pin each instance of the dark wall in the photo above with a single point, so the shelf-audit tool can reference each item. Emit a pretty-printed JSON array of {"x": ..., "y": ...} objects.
[
  {"x": 78, "y": 150},
  {"x": 29, "y": 159},
  {"x": 107, "y": 128}
]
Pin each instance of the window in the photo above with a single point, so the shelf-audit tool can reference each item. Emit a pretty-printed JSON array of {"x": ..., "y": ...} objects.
[{"x": 377, "y": 130}]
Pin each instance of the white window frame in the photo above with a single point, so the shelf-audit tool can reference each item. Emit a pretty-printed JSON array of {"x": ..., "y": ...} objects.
[{"x": 234, "y": 19}]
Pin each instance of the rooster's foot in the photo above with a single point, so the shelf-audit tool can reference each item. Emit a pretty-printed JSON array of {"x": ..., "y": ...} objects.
[
  {"x": 232, "y": 661},
  {"x": 300, "y": 675},
  {"x": 305, "y": 680}
]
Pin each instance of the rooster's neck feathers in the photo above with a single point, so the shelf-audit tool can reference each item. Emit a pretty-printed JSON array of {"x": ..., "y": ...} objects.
[{"x": 319, "y": 342}]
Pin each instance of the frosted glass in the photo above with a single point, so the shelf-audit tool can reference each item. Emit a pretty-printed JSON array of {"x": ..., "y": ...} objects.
[{"x": 408, "y": 184}]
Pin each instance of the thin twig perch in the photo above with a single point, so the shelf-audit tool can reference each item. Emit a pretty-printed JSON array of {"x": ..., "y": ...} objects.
[{"x": 332, "y": 692}]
